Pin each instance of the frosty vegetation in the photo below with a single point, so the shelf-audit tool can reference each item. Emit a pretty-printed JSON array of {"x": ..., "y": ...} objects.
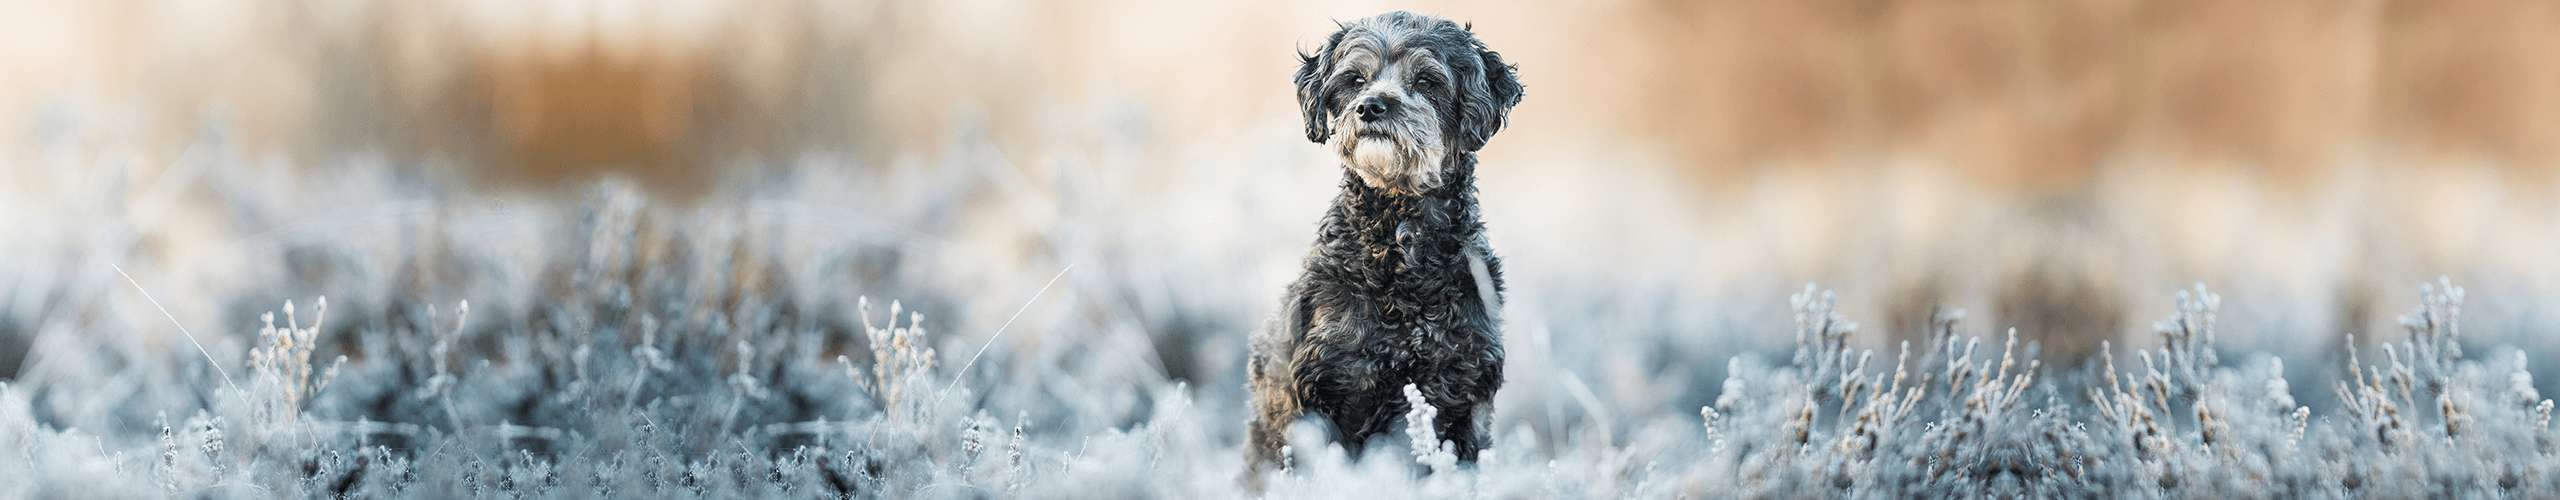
[
  {"x": 648, "y": 358},
  {"x": 739, "y": 403}
]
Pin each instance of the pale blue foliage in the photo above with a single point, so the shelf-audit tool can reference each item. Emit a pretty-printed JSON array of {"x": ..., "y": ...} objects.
[{"x": 621, "y": 348}]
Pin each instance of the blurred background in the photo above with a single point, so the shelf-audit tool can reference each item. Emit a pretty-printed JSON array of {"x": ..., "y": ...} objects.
[{"x": 1675, "y": 169}]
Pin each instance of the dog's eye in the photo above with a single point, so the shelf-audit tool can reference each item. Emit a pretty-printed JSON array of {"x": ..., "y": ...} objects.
[
  {"x": 1357, "y": 80},
  {"x": 1426, "y": 82}
]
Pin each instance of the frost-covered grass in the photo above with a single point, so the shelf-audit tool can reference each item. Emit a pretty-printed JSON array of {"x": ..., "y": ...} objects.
[
  {"x": 828, "y": 336},
  {"x": 618, "y": 396},
  {"x": 1957, "y": 421}
]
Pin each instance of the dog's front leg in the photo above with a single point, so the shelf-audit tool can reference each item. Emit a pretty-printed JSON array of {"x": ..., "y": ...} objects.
[
  {"x": 1272, "y": 387},
  {"x": 1467, "y": 430}
]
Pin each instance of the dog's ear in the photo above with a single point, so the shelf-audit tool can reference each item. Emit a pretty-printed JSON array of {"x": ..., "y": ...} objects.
[
  {"x": 1312, "y": 70},
  {"x": 1489, "y": 98}
]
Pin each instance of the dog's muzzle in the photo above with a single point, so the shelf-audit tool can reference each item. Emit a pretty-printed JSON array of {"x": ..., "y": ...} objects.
[{"x": 1391, "y": 146}]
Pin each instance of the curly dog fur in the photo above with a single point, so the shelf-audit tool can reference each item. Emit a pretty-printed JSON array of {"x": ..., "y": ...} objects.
[{"x": 1401, "y": 287}]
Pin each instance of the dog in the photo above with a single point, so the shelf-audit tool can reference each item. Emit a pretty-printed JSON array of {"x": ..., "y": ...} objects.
[{"x": 1401, "y": 287}]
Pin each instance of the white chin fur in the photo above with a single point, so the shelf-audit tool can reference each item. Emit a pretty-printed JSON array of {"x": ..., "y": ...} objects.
[{"x": 1383, "y": 165}]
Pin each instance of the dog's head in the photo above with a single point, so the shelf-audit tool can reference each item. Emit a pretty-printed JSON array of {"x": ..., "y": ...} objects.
[{"x": 1394, "y": 94}]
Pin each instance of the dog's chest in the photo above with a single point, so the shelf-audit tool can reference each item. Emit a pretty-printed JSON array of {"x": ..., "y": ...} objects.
[
  {"x": 1360, "y": 388},
  {"x": 1396, "y": 301},
  {"x": 1409, "y": 330}
]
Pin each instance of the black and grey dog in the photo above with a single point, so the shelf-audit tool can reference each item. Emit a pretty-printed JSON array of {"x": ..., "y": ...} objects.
[{"x": 1401, "y": 287}]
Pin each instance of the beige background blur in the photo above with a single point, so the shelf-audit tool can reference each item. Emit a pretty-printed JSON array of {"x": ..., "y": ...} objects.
[{"x": 2061, "y": 163}]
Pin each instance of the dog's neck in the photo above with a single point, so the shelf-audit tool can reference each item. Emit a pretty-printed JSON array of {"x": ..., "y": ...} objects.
[
  {"x": 1394, "y": 233},
  {"x": 1457, "y": 178}
]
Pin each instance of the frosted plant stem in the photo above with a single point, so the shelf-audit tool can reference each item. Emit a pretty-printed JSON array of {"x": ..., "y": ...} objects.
[
  {"x": 963, "y": 374},
  {"x": 182, "y": 329}
]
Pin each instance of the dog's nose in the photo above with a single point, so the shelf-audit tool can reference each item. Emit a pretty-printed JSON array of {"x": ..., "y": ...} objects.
[{"x": 1371, "y": 108}]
